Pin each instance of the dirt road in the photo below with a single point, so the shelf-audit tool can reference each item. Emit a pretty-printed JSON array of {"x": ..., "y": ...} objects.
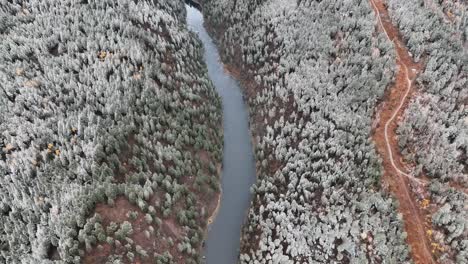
[{"x": 397, "y": 175}]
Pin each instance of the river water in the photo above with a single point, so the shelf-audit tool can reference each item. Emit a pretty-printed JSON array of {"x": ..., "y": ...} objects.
[{"x": 222, "y": 245}]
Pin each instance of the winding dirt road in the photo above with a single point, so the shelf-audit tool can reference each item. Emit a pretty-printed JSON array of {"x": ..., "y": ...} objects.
[{"x": 396, "y": 173}]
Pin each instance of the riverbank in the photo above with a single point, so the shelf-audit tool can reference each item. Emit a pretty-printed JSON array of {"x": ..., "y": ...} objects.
[{"x": 238, "y": 170}]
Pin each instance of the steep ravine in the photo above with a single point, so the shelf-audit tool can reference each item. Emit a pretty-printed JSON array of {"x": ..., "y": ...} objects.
[{"x": 223, "y": 242}]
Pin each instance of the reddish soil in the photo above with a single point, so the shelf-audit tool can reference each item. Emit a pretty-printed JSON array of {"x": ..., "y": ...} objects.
[
  {"x": 118, "y": 214},
  {"x": 395, "y": 169},
  {"x": 169, "y": 228}
]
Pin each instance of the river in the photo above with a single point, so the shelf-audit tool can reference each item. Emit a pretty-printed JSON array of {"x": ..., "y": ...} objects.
[{"x": 238, "y": 175}]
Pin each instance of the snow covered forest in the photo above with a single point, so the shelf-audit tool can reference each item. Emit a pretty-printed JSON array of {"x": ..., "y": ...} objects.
[
  {"x": 111, "y": 138},
  {"x": 434, "y": 132},
  {"x": 110, "y": 133},
  {"x": 314, "y": 72}
]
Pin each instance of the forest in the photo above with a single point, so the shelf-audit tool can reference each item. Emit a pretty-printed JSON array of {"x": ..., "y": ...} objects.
[
  {"x": 110, "y": 133},
  {"x": 313, "y": 72},
  {"x": 434, "y": 131}
]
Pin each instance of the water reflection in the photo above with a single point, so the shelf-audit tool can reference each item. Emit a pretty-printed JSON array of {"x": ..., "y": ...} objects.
[{"x": 222, "y": 245}]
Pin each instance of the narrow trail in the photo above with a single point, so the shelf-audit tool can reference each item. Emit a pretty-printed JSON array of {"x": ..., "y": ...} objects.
[
  {"x": 238, "y": 172},
  {"x": 396, "y": 172}
]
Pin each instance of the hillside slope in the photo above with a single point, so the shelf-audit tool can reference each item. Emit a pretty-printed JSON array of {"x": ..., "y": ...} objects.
[{"x": 109, "y": 134}]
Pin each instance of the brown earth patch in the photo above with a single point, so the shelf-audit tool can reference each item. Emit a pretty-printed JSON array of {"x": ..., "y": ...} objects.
[
  {"x": 152, "y": 244},
  {"x": 416, "y": 219},
  {"x": 172, "y": 226},
  {"x": 204, "y": 156},
  {"x": 117, "y": 213},
  {"x": 206, "y": 200}
]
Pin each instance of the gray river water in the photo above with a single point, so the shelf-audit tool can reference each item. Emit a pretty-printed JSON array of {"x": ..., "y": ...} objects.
[{"x": 222, "y": 245}]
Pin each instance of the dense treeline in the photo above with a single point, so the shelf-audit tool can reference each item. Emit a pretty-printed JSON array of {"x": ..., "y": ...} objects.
[
  {"x": 104, "y": 102},
  {"x": 434, "y": 132},
  {"x": 313, "y": 72}
]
